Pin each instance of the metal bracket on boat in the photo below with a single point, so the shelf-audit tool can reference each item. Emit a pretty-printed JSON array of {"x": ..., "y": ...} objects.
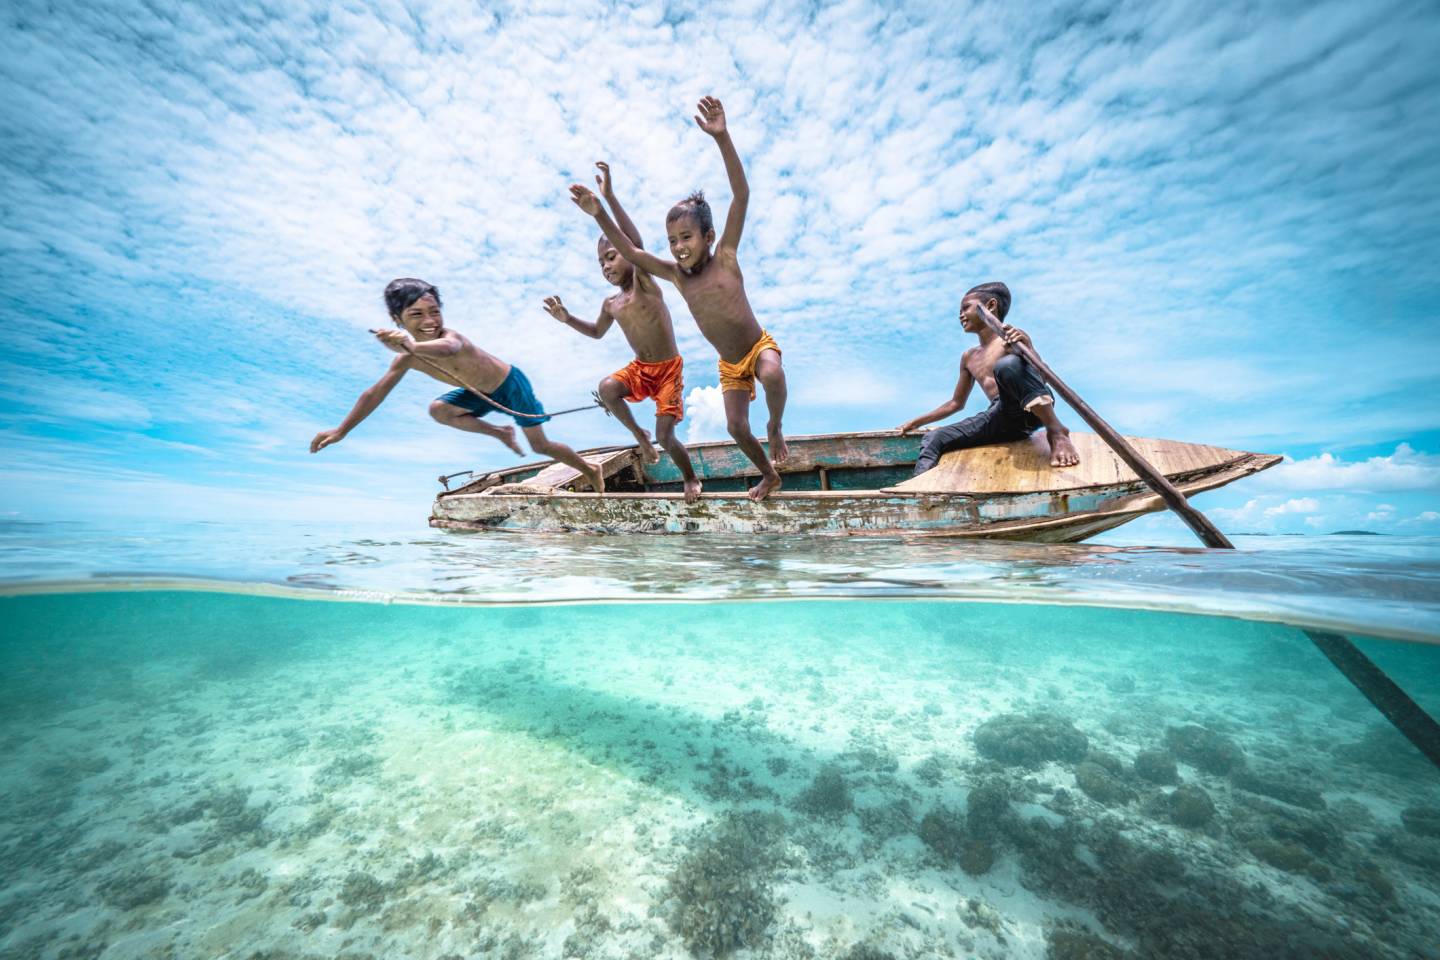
[{"x": 446, "y": 478}]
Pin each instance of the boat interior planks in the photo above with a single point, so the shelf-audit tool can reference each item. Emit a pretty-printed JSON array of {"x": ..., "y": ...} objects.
[
  {"x": 848, "y": 484},
  {"x": 559, "y": 476},
  {"x": 1024, "y": 466}
]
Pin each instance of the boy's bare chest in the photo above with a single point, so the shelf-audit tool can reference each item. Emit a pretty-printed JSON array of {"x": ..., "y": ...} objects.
[
  {"x": 635, "y": 307},
  {"x": 715, "y": 293},
  {"x": 981, "y": 366},
  {"x": 645, "y": 321},
  {"x": 470, "y": 367}
]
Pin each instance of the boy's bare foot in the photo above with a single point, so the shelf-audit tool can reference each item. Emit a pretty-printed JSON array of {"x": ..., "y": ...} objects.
[
  {"x": 648, "y": 453},
  {"x": 596, "y": 478},
  {"x": 1062, "y": 451},
  {"x": 779, "y": 452},
  {"x": 768, "y": 484},
  {"x": 507, "y": 437},
  {"x": 692, "y": 489}
]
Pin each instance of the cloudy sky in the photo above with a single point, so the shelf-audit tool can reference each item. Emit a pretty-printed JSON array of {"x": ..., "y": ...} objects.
[{"x": 1220, "y": 222}]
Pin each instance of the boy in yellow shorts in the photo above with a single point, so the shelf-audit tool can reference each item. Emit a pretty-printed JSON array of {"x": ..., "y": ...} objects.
[
  {"x": 657, "y": 370},
  {"x": 714, "y": 290}
]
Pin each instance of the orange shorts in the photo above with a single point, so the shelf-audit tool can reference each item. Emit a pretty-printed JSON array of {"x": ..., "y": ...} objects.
[
  {"x": 665, "y": 381},
  {"x": 741, "y": 376}
]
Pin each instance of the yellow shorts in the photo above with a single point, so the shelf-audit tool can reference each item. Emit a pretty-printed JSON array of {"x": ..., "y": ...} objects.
[{"x": 741, "y": 376}]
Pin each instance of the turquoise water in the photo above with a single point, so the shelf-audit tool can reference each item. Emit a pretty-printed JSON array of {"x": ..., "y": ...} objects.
[{"x": 241, "y": 745}]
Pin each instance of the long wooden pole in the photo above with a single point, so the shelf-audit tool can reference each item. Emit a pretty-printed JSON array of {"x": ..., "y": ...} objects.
[
  {"x": 1407, "y": 716},
  {"x": 1208, "y": 533}
]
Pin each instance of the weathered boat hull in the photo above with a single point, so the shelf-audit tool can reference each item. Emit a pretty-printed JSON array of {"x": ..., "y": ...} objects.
[{"x": 1022, "y": 512}]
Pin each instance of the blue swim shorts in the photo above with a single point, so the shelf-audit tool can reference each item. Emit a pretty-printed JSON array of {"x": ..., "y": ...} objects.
[{"x": 515, "y": 392}]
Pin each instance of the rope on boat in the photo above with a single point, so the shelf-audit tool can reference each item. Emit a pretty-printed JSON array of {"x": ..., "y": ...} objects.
[
  {"x": 500, "y": 406},
  {"x": 446, "y": 478}
]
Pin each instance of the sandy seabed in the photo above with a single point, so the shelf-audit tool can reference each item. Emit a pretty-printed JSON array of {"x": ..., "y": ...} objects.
[{"x": 852, "y": 780}]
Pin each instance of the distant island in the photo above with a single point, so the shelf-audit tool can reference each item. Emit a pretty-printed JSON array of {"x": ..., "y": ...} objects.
[{"x": 1333, "y": 533}]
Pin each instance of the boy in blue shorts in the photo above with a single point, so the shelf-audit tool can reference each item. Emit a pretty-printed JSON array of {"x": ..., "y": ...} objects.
[{"x": 427, "y": 345}]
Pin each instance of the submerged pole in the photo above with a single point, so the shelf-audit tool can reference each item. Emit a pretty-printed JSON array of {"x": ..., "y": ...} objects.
[
  {"x": 1395, "y": 704},
  {"x": 1404, "y": 714}
]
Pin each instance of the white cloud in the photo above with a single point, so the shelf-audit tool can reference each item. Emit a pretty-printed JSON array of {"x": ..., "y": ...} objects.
[
  {"x": 1264, "y": 513},
  {"x": 204, "y": 207},
  {"x": 1297, "y": 505},
  {"x": 705, "y": 415},
  {"x": 1405, "y": 469}
]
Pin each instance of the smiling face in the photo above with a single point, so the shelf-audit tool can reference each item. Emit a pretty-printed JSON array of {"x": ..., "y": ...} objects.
[
  {"x": 688, "y": 244},
  {"x": 422, "y": 319},
  {"x": 970, "y": 320},
  {"x": 616, "y": 268}
]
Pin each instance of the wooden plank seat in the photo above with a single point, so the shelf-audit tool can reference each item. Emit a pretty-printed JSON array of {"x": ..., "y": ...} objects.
[{"x": 559, "y": 476}]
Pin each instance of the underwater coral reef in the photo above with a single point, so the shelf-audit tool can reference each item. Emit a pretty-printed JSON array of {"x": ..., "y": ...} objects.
[{"x": 857, "y": 781}]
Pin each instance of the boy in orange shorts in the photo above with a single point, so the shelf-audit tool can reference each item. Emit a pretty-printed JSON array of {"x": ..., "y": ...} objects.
[
  {"x": 714, "y": 290},
  {"x": 657, "y": 370}
]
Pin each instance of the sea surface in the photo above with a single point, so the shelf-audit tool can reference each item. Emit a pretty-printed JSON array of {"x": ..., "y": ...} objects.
[{"x": 265, "y": 742}]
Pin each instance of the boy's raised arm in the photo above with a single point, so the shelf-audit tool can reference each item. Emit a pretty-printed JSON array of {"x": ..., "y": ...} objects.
[
  {"x": 622, "y": 219},
  {"x": 711, "y": 119},
  {"x": 590, "y": 203},
  {"x": 596, "y": 330}
]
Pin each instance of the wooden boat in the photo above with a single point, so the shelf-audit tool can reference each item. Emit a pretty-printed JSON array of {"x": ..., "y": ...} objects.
[{"x": 845, "y": 484}]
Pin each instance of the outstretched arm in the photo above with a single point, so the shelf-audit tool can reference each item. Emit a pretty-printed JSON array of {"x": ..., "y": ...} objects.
[
  {"x": 622, "y": 219},
  {"x": 364, "y": 406},
  {"x": 595, "y": 330},
  {"x": 955, "y": 404},
  {"x": 590, "y": 203},
  {"x": 712, "y": 120}
]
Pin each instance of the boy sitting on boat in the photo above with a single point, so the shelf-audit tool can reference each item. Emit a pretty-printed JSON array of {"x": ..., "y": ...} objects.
[
  {"x": 1020, "y": 403},
  {"x": 657, "y": 370},
  {"x": 483, "y": 382},
  {"x": 714, "y": 290}
]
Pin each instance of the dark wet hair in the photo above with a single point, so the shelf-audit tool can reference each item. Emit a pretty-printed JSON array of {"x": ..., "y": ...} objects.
[
  {"x": 696, "y": 207},
  {"x": 602, "y": 243},
  {"x": 998, "y": 291},
  {"x": 402, "y": 293}
]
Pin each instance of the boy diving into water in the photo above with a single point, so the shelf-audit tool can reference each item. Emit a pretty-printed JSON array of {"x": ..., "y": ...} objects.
[
  {"x": 714, "y": 290},
  {"x": 657, "y": 370},
  {"x": 427, "y": 345},
  {"x": 1020, "y": 402}
]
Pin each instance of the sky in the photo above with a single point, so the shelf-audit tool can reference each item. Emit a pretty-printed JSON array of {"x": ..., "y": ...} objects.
[{"x": 1220, "y": 223}]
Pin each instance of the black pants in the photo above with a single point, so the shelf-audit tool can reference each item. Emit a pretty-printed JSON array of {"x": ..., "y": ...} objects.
[{"x": 1006, "y": 420}]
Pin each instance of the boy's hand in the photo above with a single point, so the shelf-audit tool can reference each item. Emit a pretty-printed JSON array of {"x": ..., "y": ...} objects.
[
  {"x": 324, "y": 438},
  {"x": 585, "y": 200},
  {"x": 556, "y": 309},
  {"x": 1014, "y": 335},
  {"x": 397, "y": 340},
  {"x": 712, "y": 116},
  {"x": 906, "y": 427},
  {"x": 602, "y": 179}
]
